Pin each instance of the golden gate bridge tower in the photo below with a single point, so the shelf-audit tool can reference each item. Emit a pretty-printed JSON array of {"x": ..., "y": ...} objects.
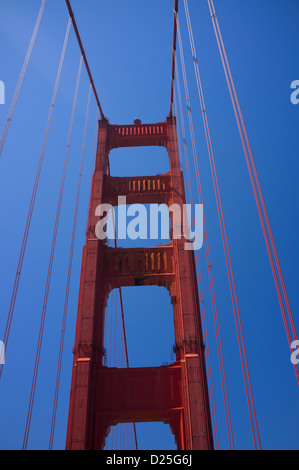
[{"x": 176, "y": 394}]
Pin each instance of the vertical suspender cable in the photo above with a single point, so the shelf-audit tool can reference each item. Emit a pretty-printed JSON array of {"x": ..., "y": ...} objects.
[
  {"x": 214, "y": 306},
  {"x": 123, "y": 318},
  {"x": 222, "y": 223},
  {"x": 27, "y": 429},
  {"x": 255, "y": 185},
  {"x": 202, "y": 305},
  {"x": 21, "y": 78},
  {"x": 33, "y": 197},
  {"x": 110, "y": 363},
  {"x": 36, "y": 365},
  {"x": 175, "y": 14},
  {"x": 243, "y": 356},
  {"x": 207, "y": 250},
  {"x": 175, "y": 26},
  {"x": 115, "y": 340},
  {"x": 64, "y": 316},
  {"x": 179, "y": 112},
  {"x": 72, "y": 16}
]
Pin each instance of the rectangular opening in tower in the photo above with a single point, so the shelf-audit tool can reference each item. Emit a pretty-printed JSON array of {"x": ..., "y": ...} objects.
[
  {"x": 150, "y": 436},
  {"x": 149, "y": 330}
]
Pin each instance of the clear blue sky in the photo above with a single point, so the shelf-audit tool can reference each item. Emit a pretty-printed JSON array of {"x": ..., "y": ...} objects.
[{"x": 128, "y": 45}]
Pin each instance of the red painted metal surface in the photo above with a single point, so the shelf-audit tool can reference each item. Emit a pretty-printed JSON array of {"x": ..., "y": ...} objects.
[
  {"x": 142, "y": 394},
  {"x": 141, "y": 190},
  {"x": 138, "y": 135},
  {"x": 176, "y": 394}
]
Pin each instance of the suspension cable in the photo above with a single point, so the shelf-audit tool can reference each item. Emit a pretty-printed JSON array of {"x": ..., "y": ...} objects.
[
  {"x": 223, "y": 233},
  {"x": 65, "y": 306},
  {"x": 21, "y": 78},
  {"x": 201, "y": 295},
  {"x": 175, "y": 10},
  {"x": 207, "y": 251},
  {"x": 71, "y": 13},
  {"x": 255, "y": 185},
  {"x": 240, "y": 335},
  {"x": 179, "y": 112},
  {"x": 36, "y": 366},
  {"x": 33, "y": 197},
  {"x": 123, "y": 317}
]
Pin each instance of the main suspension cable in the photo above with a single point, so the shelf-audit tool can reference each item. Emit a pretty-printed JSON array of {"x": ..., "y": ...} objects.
[{"x": 71, "y": 13}]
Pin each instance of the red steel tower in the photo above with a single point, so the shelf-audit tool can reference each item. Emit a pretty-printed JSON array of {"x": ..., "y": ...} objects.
[{"x": 176, "y": 394}]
